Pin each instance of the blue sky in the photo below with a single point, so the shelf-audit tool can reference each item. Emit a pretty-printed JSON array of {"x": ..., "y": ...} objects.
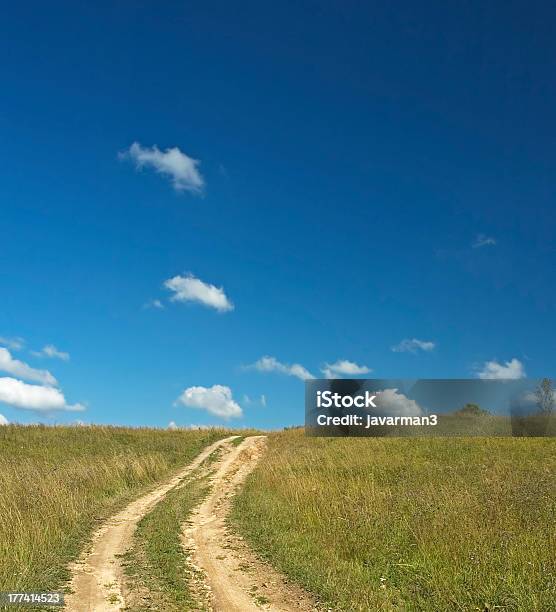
[{"x": 367, "y": 176}]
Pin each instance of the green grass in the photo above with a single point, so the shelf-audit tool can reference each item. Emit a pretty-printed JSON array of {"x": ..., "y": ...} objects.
[
  {"x": 58, "y": 483},
  {"x": 156, "y": 566},
  {"x": 408, "y": 524}
]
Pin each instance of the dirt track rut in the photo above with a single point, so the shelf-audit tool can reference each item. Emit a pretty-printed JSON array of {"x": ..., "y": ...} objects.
[
  {"x": 232, "y": 578},
  {"x": 97, "y": 577}
]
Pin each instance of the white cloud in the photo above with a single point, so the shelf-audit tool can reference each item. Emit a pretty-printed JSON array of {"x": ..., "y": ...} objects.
[
  {"x": 191, "y": 289},
  {"x": 172, "y": 425},
  {"x": 16, "y": 344},
  {"x": 247, "y": 401},
  {"x": 18, "y": 368},
  {"x": 157, "y": 304},
  {"x": 413, "y": 345},
  {"x": 51, "y": 351},
  {"x": 180, "y": 168},
  {"x": 34, "y": 397},
  {"x": 342, "y": 368},
  {"x": 512, "y": 369},
  {"x": 397, "y": 404},
  {"x": 3, "y": 420},
  {"x": 271, "y": 364},
  {"x": 481, "y": 240},
  {"x": 528, "y": 400},
  {"x": 216, "y": 400}
]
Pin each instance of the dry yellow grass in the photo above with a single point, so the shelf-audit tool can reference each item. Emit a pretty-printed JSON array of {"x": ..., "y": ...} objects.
[
  {"x": 57, "y": 483},
  {"x": 409, "y": 524}
]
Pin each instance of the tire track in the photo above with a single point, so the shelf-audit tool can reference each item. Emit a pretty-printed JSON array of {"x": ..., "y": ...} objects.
[
  {"x": 97, "y": 577},
  {"x": 231, "y": 576}
]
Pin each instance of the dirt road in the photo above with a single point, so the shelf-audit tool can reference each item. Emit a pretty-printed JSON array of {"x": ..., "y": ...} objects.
[
  {"x": 231, "y": 577},
  {"x": 97, "y": 576}
]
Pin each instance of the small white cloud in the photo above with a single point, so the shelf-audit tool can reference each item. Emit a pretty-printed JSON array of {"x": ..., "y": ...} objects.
[
  {"x": 216, "y": 400},
  {"x": 182, "y": 170},
  {"x": 397, "y": 404},
  {"x": 34, "y": 397},
  {"x": 16, "y": 344},
  {"x": 191, "y": 289},
  {"x": 413, "y": 345},
  {"x": 271, "y": 364},
  {"x": 481, "y": 240},
  {"x": 3, "y": 420},
  {"x": 529, "y": 399},
  {"x": 172, "y": 425},
  {"x": 512, "y": 369},
  {"x": 247, "y": 401},
  {"x": 52, "y": 352},
  {"x": 344, "y": 368},
  {"x": 18, "y": 368},
  {"x": 156, "y": 304}
]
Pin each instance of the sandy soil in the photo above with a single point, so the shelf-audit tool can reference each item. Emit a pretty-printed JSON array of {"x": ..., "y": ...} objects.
[
  {"x": 97, "y": 578},
  {"x": 230, "y": 576}
]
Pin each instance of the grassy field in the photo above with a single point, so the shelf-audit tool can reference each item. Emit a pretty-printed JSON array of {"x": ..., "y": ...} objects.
[
  {"x": 408, "y": 524},
  {"x": 58, "y": 483}
]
